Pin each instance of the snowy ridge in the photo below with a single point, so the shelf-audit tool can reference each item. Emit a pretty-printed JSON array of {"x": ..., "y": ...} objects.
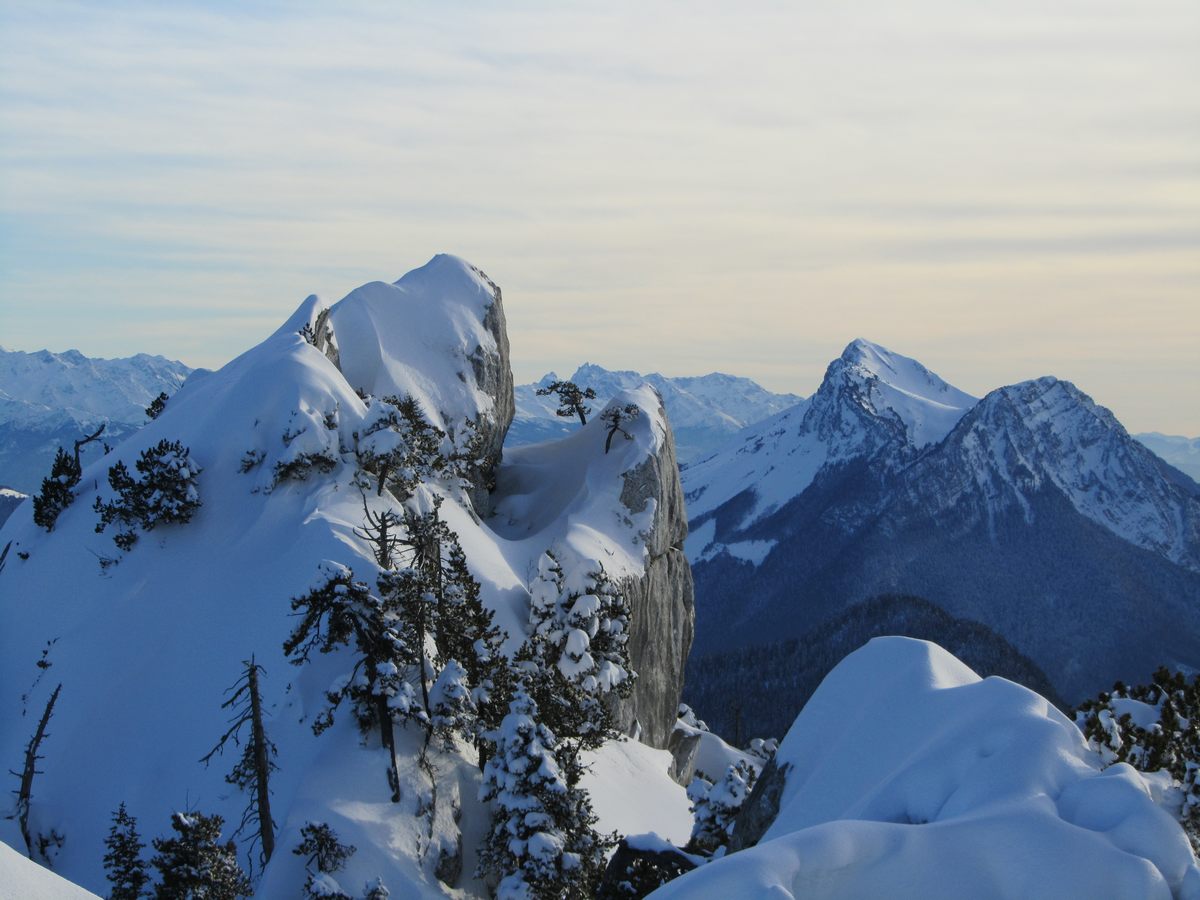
[
  {"x": 871, "y": 402},
  {"x": 144, "y": 647},
  {"x": 905, "y": 769},
  {"x": 1046, "y": 433},
  {"x": 705, "y": 410}
]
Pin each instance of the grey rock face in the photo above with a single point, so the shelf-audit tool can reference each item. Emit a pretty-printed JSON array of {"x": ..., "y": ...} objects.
[
  {"x": 760, "y": 808},
  {"x": 493, "y": 374},
  {"x": 663, "y": 615},
  {"x": 684, "y": 747}
]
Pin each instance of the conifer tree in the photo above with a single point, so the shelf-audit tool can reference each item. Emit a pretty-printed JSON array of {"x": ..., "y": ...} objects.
[
  {"x": 252, "y": 772},
  {"x": 165, "y": 491},
  {"x": 58, "y": 489},
  {"x": 157, "y": 405},
  {"x": 615, "y": 419},
  {"x": 577, "y": 655},
  {"x": 715, "y": 806},
  {"x": 398, "y": 446},
  {"x": 341, "y": 612},
  {"x": 542, "y": 842},
  {"x": 571, "y": 399},
  {"x": 325, "y": 856},
  {"x": 25, "y": 791},
  {"x": 123, "y": 862},
  {"x": 195, "y": 865}
]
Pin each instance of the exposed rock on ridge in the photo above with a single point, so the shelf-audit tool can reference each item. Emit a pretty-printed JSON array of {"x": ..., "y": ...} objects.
[{"x": 663, "y": 614}]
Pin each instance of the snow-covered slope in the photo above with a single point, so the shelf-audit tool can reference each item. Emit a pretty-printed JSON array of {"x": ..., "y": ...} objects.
[
  {"x": 1047, "y": 434},
  {"x": 908, "y": 776},
  {"x": 871, "y": 402},
  {"x": 705, "y": 410},
  {"x": 1181, "y": 452},
  {"x": 48, "y": 399},
  {"x": 145, "y": 642},
  {"x": 21, "y": 879}
]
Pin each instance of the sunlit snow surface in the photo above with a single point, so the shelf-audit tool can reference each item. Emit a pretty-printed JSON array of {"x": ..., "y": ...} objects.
[
  {"x": 146, "y": 647},
  {"x": 912, "y": 777}
]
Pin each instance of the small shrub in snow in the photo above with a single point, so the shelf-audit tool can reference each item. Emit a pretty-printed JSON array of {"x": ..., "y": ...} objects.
[
  {"x": 571, "y": 399},
  {"x": 164, "y": 492},
  {"x": 542, "y": 842},
  {"x": 194, "y": 863},
  {"x": 1152, "y": 727},
  {"x": 123, "y": 862},
  {"x": 325, "y": 855},
  {"x": 715, "y": 806},
  {"x": 58, "y": 490},
  {"x": 763, "y": 749},
  {"x": 157, "y": 405},
  {"x": 376, "y": 890}
]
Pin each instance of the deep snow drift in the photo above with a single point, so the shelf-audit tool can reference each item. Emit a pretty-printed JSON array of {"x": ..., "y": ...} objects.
[
  {"x": 145, "y": 643},
  {"x": 908, "y": 775}
]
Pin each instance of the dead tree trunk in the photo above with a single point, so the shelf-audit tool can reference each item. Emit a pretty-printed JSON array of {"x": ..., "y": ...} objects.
[
  {"x": 262, "y": 765},
  {"x": 79, "y": 444},
  {"x": 25, "y": 792}
]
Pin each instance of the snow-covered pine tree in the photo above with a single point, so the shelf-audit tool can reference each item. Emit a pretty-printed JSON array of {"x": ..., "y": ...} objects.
[
  {"x": 398, "y": 446},
  {"x": 157, "y": 405},
  {"x": 325, "y": 855},
  {"x": 542, "y": 842},
  {"x": 341, "y": 612},
  {"x": 165, "y": 492},
  {"x": 571, "y": 399},
  {"x": 715, "y": 806},
  {"x": 1153, "y": 727},
  {"x": 123, "y": 863},
  {"x": 194, "y": 864},
  {"x": 577, "y": 658},
  {"x": 252, "y": 772},
  {"x": 58, "y": 489}
]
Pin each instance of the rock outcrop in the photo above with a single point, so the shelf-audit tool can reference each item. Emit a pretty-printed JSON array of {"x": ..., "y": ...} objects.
[
  {"x": 493, "y": 376},
  {"x": 663, "y": 614}
]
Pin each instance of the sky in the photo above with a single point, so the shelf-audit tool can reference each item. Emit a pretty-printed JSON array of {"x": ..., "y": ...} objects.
[{"x": 1002, "y": 189}]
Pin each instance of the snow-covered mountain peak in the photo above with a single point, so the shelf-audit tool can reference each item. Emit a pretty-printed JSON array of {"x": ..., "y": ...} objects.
[
  {"x": 870, "y": 399},
  {"x": 1047, "y": 434},
  {"x": 895, "y": 385}
]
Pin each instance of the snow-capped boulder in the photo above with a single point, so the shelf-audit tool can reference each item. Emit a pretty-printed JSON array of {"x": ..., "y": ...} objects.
[
  {"x": 455, "y": 362},
  {"x": 908, "y": 775}
]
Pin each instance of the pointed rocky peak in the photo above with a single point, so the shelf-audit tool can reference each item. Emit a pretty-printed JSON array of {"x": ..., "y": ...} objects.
[{"x": 1048, "y": 434}]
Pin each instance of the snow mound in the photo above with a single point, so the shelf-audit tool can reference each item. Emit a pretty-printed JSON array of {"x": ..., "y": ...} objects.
[
  {"x": 908, "y": 775},
  {"x": 22, "y": 879}
]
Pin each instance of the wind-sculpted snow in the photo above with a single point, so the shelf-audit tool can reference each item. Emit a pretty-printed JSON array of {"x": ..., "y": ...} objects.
[
  {"x": 21, "y": 879},
  {"x": 908, "y": 776},
  {"x": 145, "y": 642}
]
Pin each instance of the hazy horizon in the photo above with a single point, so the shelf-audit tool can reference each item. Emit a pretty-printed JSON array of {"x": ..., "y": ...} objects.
[{"x": 999, "y": 190}]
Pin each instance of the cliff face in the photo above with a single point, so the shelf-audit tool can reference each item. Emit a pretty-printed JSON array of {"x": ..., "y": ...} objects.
[{"x": 664, "y": 617}]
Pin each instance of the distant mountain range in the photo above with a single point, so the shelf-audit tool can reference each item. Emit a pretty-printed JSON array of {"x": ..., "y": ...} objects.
[
  {"x": 1031, "y": 511},
  {"x": 48, "y": 400},
  {"x": 705, "y": 411},
  {"x": 1181, "y": 452}
]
